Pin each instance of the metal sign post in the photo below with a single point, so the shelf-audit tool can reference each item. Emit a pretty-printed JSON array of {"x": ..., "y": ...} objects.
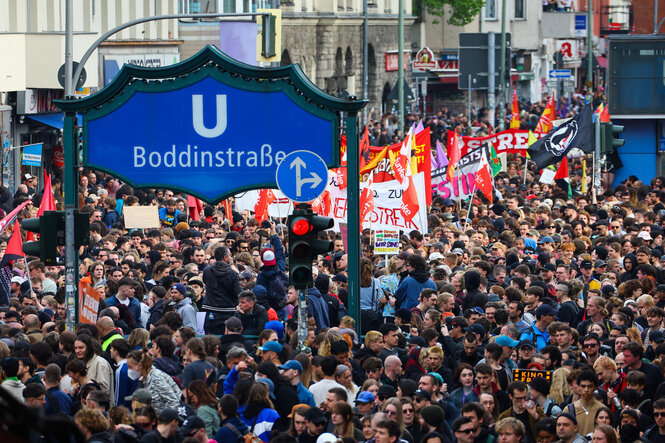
[{"x": 302, "y": 318}]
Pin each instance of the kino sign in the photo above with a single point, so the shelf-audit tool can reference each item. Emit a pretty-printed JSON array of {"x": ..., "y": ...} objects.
[{"x": 208, "y": 126}]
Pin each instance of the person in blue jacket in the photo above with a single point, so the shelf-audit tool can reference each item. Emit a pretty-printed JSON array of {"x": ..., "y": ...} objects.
[
  {"x": 125, "y": 296},
  {"x": 409, "y": 290},
  {"x": 233, "y": 428}
]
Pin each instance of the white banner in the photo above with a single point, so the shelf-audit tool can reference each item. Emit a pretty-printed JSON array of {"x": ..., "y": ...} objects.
[
  {"x": 387, "y": 203},
  {"x": 282, "y": 208}
]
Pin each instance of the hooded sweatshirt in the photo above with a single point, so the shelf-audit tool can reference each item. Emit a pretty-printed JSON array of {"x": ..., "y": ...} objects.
[
  {"x": 632, "y": 274},
  {"x": 409, "y": 290},
  {"x": 186, "y": 310},
  {"x": 473, "y": 296},
  {"x": 318, "y": 308}
]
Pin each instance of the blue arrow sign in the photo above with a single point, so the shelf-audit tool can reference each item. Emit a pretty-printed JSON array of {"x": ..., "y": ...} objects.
[
  {"x": 302, "y": 176},
  {"x": 560, "y": 73}
]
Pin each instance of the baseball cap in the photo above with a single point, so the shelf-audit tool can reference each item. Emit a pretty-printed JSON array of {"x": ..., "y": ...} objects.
[
  {"x": 656, "y": 336},
  {"x": 549, "y": 267},
  {"x": 586, "y": 264},
  {"x": 271, "y": 346},
  {"x": 17, "y": 279},
  {"x": 545, "y": 309},
  {"x": 526, "y": 344},
  {"x": 546, "y": 239},
  {"x": 477, "y": 329},
  {"x": 268, "y": 257},
  {"x": 644, "y": 235},
  {"x": 504, "y": 340},
  {"x": 292, "y": 364},
  {"x": 458, "y": 251},
  {"x": 168, "y": 415},
  {"x": 365, "y": 397},
  {"x": 270, "y": 384},
  {"x": 326, "y": 437},
  {"x": 599, "y": 264},
  {"x": 435, "y": 256},
  {"x": 422, "y": 393},
  {"x": 315, "y": 415},
  {"x": 27, "y": 176},
  {"x": 141, "y": 395},
  {"x": 191, "y": 424}
]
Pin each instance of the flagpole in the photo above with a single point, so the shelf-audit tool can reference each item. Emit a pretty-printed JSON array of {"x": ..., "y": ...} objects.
[
  {"x": 468, "y": 210},
  {"x": 526, "y": 164}
]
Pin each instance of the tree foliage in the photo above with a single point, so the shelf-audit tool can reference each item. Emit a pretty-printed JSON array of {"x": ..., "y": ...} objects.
[{"x": 461, "y": 12}]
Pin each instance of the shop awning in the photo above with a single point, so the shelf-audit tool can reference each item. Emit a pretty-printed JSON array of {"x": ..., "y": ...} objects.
[{"x": 54, "y": 120}]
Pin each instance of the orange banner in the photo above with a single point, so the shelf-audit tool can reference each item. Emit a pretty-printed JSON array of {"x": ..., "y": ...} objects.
[{"x": 89, "y": 304}]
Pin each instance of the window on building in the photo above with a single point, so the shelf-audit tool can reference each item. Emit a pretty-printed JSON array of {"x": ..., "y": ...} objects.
[
  {"x": 490, "y": 9},
  {"x": 519, "y": 9}
]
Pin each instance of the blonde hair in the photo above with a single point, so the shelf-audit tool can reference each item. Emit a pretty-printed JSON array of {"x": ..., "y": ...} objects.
[
  {"x": 605, "y": 362},
  {"x": 634, "y": 335},
  {"x": 372, "y": 336},
  {"x": 560, "y": 387}
]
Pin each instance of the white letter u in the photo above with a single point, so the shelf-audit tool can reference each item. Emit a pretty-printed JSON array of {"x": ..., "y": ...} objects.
[{"x": 197, "y": 116}]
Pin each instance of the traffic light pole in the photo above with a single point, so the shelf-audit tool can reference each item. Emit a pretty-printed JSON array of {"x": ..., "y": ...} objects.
[
  {"x": 596, "y": 162},
  {"x": 353, "y": 216},
  {"x": 302, "y": 318},
  {"x": 71, "y": 201},
  {"x": 71, "y": 183}
]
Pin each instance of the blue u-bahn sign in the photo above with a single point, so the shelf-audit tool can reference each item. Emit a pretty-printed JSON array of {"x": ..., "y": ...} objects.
[{"x": 208, "y": 126}]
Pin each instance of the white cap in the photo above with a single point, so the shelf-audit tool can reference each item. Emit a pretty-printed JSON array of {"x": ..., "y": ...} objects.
[
  {"x": 644, "y": 235},
  {"x": 326, "y": 437},
  {"x": 17, "y": 279}
]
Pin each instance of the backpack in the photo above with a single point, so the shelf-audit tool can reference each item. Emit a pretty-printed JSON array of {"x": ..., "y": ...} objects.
[
  {"x": 276, "y": 290},
  {"x": 248, "y": 437}
]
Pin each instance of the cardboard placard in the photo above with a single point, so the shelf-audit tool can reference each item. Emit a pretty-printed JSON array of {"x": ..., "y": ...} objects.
[
  {"x": 386, "y": 242},
  {"x": 141, "y": 217},
  {"x": 526, "y": 375},
  {"x": 89, "y": 308}
]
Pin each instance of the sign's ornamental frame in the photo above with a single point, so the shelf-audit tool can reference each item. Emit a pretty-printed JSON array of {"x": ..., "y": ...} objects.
[{"x": 210, "y": 62}]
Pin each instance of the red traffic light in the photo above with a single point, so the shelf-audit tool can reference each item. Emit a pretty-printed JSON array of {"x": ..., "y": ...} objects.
[{"x": 301, "y": 227}]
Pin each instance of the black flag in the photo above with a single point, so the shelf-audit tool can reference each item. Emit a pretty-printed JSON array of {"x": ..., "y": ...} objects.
[{"x": 576, "y": 133}]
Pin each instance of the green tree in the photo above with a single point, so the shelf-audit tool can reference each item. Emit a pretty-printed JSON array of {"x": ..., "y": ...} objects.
[{"x": 461, "y": 12}]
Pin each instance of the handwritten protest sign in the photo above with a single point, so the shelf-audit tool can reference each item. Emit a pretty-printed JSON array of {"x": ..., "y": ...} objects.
[{"x": 386, "y": 242}]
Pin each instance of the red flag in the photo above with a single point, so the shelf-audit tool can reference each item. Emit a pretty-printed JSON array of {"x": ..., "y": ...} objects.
[
  {"x": 48, "y": 203},
  {"x": 226, "y": 204},
  {"x": 410, "y": 204},
  {"x": 483, "y": 178},
  {"x": 266, "y": 196},
  {"x": 515, "y": 113},
  {"x": 454, "y": 154},
  {"x": 364, "y": 149},
  {"x": 605, "y": 115},
  {"x": 14, "y": 246},
  {"x": 195, "y": 207},
  {"x": 401, "y": 162},
  {"x": 326, "y": 203},
  {"x": 545, "y": 123},
  {"x": 366, "y": 202}
]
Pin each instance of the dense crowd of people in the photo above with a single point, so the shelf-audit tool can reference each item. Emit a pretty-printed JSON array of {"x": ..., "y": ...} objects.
[{"x": 535, "y": 319}]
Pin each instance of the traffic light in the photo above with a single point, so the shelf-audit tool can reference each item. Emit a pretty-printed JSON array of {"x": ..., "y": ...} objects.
[
  {"x": 304, "y": 246},
  {"x": 51, "y": 229},
  {"x": 609, "y": 137}
]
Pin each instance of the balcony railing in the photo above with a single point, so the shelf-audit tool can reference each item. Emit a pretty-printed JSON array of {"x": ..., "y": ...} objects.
[{"x": 616, "y": 20}]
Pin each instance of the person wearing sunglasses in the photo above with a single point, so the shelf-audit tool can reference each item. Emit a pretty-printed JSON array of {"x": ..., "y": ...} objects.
[
  {"x": 657, "y": 431},
  {"x": 464, "y": 430}
]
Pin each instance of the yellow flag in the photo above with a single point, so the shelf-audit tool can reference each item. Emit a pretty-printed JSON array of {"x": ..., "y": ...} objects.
[
  {"x": 584, "y": 176},
  {"x": 392, "y": 156},
  {"x": 532, "y": 139}
]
